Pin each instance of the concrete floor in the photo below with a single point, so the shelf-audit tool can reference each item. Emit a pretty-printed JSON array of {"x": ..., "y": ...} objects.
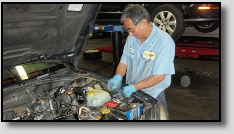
[{"x": 199, "y": 101}]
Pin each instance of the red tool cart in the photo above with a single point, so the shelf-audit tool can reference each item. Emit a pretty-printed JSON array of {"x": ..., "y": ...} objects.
[{"x": 197, "y": 47}]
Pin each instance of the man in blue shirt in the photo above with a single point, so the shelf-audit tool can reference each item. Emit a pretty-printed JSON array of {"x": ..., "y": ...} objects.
[{"x": 147, "y": 59}]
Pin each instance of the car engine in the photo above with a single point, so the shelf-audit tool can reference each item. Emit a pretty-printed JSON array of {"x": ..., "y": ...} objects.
[{"x": 78, "y": 97}]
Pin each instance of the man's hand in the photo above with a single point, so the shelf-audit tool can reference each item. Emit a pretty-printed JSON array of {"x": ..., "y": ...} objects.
[
  {"x": 128, "y": 90},
  {"x": 114, "y": 83}
]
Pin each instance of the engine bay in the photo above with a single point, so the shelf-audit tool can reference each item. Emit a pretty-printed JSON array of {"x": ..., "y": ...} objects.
[{"x": 78, "y": 97}]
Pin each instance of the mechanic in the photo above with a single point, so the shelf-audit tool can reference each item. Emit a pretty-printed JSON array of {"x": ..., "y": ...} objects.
[{"x": 147, "y": 59}]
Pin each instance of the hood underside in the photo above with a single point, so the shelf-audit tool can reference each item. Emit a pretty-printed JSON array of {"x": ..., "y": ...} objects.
[{"x": 32, "y": 30}]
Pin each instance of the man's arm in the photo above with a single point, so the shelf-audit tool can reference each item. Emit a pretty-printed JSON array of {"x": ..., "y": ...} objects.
[
  {"x": 121, "y": 69},
  {"x": 149, "y": 82}
]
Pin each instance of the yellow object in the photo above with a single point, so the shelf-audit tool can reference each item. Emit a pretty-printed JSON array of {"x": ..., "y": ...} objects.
[
  {"x": 69, "y": 92},
  {"x": 22, "y": 73},
  {"x": 203, "y": 8},
  {"x": 105, "y": 110},
  {"x": 98, "y": 117},
  {"x": 41, "y": 100},
  {"x": 149, "y": 55},
  {"x": 90, "y": 92}
]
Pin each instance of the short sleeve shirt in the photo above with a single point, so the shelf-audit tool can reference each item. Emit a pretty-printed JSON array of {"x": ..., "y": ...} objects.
[{"x": 155, "y": 56}]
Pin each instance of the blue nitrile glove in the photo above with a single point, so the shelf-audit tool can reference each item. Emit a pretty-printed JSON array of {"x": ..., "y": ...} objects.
[
  {"x": 128, "y": 90},
  {"x": 115, "y": 83}
]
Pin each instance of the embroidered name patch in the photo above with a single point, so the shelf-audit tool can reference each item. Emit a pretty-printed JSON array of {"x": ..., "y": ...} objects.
[
  {"x": 149, "y": 55},
  {"x": 132, "y": 50}
]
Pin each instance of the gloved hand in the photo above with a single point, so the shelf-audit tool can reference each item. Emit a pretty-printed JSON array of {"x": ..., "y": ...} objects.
[
  {"x": 128, "y": 90},
  {"x": 115, "y": 83}
]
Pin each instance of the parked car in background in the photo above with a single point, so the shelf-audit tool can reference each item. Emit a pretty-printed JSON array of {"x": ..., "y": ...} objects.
[{"x": 172, "y": 18}]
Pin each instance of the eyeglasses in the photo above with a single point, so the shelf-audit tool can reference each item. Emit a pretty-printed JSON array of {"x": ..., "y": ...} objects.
[{"x": 131, "y": 30}]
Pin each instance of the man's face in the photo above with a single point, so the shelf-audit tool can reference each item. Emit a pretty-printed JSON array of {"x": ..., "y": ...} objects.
[{"x": 133, "y": 30}]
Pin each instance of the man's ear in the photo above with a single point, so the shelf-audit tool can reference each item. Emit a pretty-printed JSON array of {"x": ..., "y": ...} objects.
[{"x": 144, "y": 21}]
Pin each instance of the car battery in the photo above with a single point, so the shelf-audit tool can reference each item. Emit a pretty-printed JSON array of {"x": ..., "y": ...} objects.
[
  {"x": 150, "y": 105},
  {"x": 124, "y": 111},
  {"x": 135, "y": 112},
  {"x": 140, "y": 106}
]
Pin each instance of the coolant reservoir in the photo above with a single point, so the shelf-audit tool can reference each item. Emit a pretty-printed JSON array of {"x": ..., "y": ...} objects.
[{"x": 97, "y": 97}]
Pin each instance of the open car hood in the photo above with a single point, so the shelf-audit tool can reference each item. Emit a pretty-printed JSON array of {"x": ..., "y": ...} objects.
[{"x": 32, "y": 30}]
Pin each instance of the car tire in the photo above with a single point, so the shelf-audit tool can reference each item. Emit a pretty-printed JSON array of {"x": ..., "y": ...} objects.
[
  {"x": 175, "y": 29},
  {"x": 207, "y": 28},
  {"x": 92, "y": 54}
]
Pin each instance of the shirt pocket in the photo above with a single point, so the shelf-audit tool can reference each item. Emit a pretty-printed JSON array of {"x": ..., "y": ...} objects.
[
  {"x": 130, "y": 68},
  {"x": 130, "y": 60},
  {"x": 148, "y": 67}
]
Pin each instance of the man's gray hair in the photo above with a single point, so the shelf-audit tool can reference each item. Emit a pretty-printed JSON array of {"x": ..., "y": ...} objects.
[{"x": 136, "y": 13}]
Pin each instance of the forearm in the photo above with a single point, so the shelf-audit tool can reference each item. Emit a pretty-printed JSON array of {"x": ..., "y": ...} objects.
[
  {"x": 121, "y": 69},
  {"x": 149, "y": 82}
]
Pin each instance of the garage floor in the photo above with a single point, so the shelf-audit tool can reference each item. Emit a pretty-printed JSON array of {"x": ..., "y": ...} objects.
[{"x": 199, "y": 101}]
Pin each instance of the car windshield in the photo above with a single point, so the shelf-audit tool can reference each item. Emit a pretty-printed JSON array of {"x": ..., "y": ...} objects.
[{"x": 24, "y": 72}]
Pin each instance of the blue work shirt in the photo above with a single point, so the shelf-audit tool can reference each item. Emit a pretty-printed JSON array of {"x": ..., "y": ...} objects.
[{"x": 155, "y": 56}]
